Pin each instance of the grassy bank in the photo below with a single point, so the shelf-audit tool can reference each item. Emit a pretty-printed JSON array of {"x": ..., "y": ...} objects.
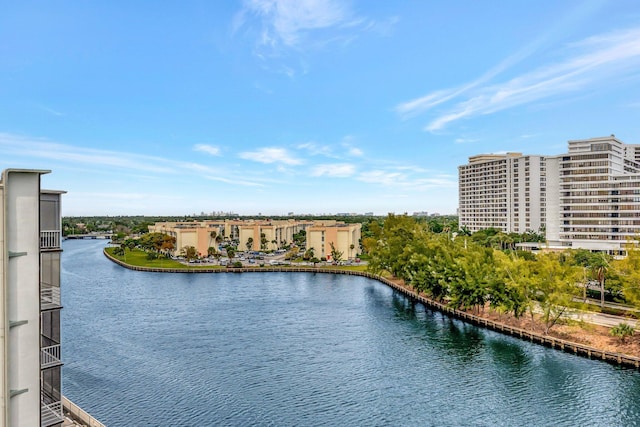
[{"x": 138, "y": 258}]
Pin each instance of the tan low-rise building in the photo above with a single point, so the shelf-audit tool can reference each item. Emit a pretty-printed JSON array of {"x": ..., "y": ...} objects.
[
  {"x": 344, "y": 237},
  {"x": 254, "y": 235},
  {"x": 263, "y": 235}
]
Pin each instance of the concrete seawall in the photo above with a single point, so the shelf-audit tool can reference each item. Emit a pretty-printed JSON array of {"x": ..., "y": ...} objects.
[
  {"x": 78, "y": 414},
  {"x": 556, "y": 343}
]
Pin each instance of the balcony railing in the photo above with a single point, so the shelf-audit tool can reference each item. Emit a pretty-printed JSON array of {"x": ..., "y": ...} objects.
[
  {"x": 50, "y": 413},
  {"x": 50, "y": 239},
  {"x": 50, "y": 356},
  {"x": 49, "y": 298}
]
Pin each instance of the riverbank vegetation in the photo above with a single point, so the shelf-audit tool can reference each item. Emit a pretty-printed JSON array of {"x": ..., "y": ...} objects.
[{"x": 484, "y": 274}]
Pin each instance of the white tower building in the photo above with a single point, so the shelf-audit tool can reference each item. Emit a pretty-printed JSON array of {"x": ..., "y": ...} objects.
[{"x": 30, "y": 365}]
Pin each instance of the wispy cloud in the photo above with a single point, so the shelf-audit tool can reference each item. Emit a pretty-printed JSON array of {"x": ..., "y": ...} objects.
[
  {"x": 403, "y": 178},
  {"x": 355, "y": 152},
  {"x": 271, "y": 155},
  {"x": 381, "y": 177},
  {"x": 282, "y": 28},
  {"x": 337, "y": 170},
  {"x": 315, "y": 149},
  {"x": 465, "y": 140},
  {"x": 113, "y": 161},
  {"x": 334, "y": 151},
  {"x": 347, "y": 144},
  {"x": 209, "y": 149},
  {"x": 593, "y": 61},
  {"x": 42, "y": 148},
  {"x": 286, "y": 21},
  {"x": 416, "y": 106},
  {"x": 51, "y": 111}
]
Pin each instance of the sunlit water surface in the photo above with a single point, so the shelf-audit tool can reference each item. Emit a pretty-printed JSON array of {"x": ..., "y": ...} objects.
[{"x": 298, "y": 349}]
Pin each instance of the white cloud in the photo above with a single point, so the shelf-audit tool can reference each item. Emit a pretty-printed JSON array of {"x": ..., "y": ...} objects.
[
  {"x": 51, "y": 111},
  {"x": 42, "y": 148},
  {"x": 465, "y": 140},
  {"x": 355, "y": 152},
  {"x": 286, "y": 21},
  {"x": 419, "y": 105},
  {"x": 416, "y": 106},
  {"x": 337, "y": 170},
  {"x": 381, "y": 177},
  {"x": 331, "y": 151},
  {"x": 403, "y": 178},
  {"x": 316, "y": 149},
  {"x": 115, "y": 162},
  {"x": 596, "y": 60},
  {"x": 271, "y": 155},
  {"x": 209, "y": 149}
]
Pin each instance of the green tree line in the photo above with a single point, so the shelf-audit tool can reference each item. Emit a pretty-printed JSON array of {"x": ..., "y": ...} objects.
[{"x": 481, "y": 271}]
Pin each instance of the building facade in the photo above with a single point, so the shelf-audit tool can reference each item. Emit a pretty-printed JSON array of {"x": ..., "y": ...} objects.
[
  {"x": 259, "y": 234},
  {"x": 30, "y": 236},
  {"x": 262, "y": 235},
  {"x": 586, "y": 198},
  {"x": 503, "y": 191},
  {"x": 345, "y": 238}
]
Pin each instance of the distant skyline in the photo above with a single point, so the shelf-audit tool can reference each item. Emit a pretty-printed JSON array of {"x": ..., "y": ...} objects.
[{"x": 304, "y": 106}]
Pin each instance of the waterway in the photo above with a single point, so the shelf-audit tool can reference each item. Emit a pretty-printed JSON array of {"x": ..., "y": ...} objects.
[{"x": 301, "y": 349}]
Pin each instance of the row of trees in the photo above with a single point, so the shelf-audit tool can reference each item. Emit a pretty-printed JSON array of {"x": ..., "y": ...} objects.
[{"x": 470, "y": 274}]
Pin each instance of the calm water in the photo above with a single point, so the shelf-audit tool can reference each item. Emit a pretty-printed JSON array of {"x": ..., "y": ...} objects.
[{"x": 149, "y": 349}]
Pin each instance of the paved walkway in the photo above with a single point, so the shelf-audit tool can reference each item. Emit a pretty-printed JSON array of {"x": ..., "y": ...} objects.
[{"x": 602, "y": 319}]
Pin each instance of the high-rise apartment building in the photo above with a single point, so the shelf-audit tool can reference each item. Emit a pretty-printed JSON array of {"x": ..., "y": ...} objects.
[
  {"x": 587, "y": 198},
  {"x": 30, "y": 238},
  {"x": 503, "y": 191}
]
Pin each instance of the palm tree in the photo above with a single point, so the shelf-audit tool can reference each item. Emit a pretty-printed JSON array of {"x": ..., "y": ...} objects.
[
  {"x": 190, "y": 253},
  {"x": 600, "y": 268},
  {"x": 249, "y": 243}
]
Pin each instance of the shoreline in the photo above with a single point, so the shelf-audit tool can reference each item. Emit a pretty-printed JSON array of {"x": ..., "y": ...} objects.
[{"x": 582, "y": 350}]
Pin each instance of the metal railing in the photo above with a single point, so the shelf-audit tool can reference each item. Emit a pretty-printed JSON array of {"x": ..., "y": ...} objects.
[
  {"x": 50, "y": 413},
  {"x": 50, "y": 239},
  {"x": 50, "y": 356},
  {"x": 50, "y": 298}
]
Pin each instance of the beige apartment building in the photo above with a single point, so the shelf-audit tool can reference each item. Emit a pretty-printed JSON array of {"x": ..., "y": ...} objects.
[
  {"x": 263, "y": 235},
  {"x": 344, "y": 237}
]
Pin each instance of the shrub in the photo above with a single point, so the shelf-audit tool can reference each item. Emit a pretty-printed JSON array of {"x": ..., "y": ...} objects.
[{"x": 622, "y": 331}]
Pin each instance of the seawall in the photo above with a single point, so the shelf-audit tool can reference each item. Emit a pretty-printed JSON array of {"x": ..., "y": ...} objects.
[{"x": 78, "y": 414}]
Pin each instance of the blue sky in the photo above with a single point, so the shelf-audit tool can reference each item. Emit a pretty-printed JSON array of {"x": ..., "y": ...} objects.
[{"x": 305, "y": 106}]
